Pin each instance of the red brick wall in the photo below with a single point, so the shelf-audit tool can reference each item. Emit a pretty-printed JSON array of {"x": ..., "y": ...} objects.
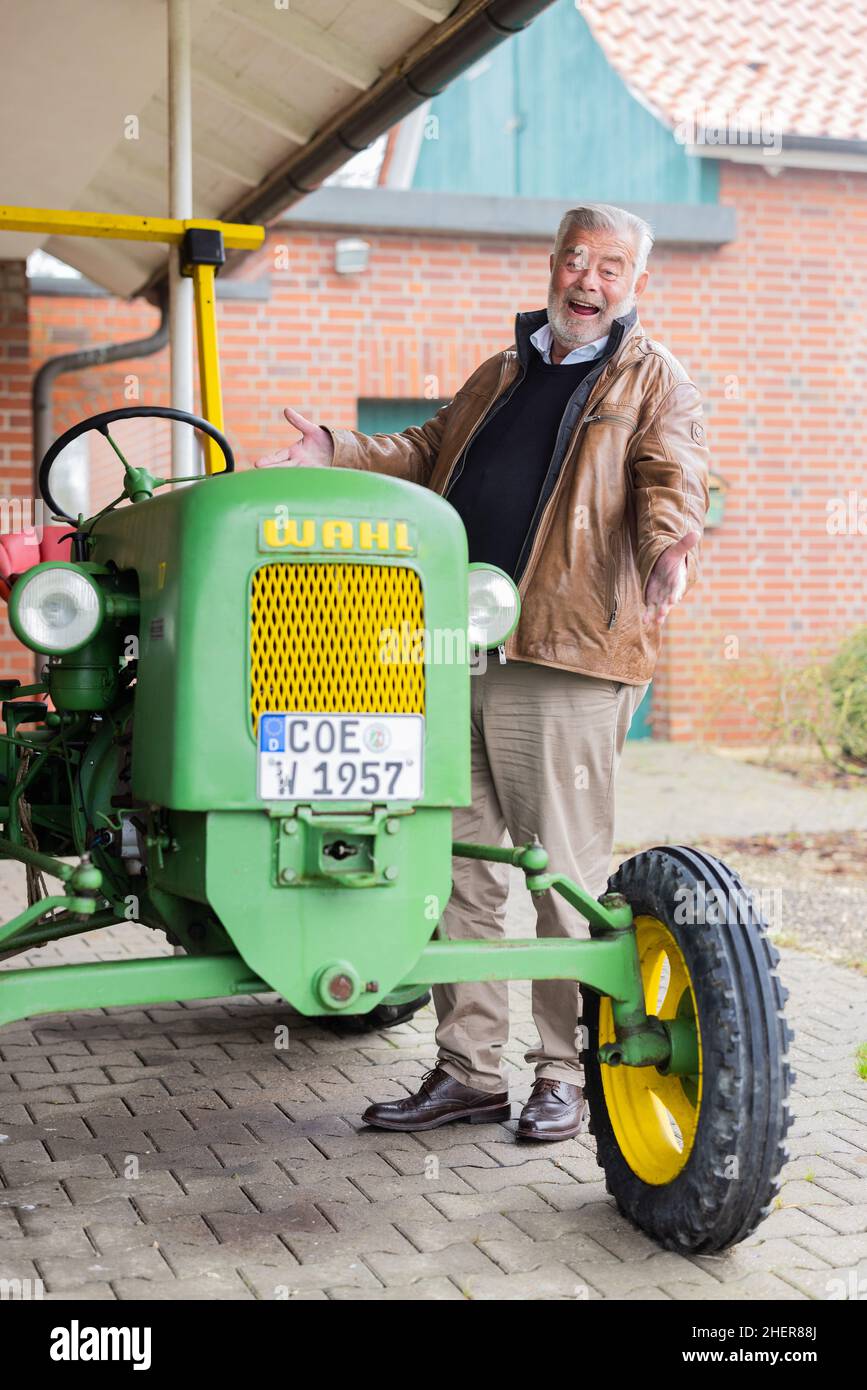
[
  {"x": 771, "y": 328},
  {"x": 15, "y": 441}
]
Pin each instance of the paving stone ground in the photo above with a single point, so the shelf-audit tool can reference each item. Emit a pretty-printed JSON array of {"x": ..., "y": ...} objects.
[{"x": 177, "y": 1152}]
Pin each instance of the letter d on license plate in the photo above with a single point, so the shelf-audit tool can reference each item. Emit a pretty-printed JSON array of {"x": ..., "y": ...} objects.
[{"x": 340, "y": 757}]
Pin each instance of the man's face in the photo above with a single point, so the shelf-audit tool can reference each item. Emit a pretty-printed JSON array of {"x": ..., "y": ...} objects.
[{"x": 591, "y": 285}]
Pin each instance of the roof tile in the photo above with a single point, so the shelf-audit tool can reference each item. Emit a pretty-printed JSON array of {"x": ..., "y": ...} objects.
[{"x": 800, "y": 63}]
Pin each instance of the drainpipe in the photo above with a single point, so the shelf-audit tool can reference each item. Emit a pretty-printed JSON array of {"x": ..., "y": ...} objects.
[{"x": 43, "y": 382}]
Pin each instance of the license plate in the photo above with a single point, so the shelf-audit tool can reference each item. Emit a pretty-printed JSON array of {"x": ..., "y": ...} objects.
[{"x": 340, "y": 757}]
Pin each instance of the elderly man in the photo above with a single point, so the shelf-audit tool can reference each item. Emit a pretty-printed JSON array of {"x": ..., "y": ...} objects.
[{"x": 577, "y": 462}]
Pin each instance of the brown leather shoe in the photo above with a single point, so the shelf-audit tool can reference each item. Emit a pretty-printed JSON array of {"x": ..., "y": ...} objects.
[
  {"x": 439, "y": 1101},
  {"x": 555, "y": 1110}
]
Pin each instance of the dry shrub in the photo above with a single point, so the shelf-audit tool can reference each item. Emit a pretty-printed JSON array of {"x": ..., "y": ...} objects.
[{"x": 813, "y": 703}]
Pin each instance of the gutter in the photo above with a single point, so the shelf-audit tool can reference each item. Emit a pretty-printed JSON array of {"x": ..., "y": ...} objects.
[
  {"x": 827, "y": 144},
  {"x": 789, "y": 152}
]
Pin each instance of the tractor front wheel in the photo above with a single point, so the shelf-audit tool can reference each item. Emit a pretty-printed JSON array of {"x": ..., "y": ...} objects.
[{"x": 693, "y": 1157}]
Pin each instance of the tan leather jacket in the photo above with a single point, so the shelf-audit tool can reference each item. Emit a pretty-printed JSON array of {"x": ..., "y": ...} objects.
[{"x": 633, "y": 480}]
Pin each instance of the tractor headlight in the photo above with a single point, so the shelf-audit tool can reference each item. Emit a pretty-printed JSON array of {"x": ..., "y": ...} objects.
[
  {"x": 55, "y": 608},
  {"x": 495, "y": 606}
]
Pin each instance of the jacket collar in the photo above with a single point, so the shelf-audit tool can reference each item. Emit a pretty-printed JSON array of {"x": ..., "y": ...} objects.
[{"x": 626, "y": 327}]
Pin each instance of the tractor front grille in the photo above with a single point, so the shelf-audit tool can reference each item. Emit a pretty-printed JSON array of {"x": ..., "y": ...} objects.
[{"x": 319, "y": 639}]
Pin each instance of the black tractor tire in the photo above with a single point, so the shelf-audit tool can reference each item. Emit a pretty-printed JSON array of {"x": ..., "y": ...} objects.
[{"x": 731, "y": 1176}]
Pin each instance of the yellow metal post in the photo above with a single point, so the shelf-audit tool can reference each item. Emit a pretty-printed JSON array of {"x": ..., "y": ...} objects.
[{"x": 209, "y": 361}]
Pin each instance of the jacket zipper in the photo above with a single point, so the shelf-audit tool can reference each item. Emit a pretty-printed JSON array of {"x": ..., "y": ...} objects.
[
  {"x": 455, "y": 472},
  {"x": 587, "y": 420},
  {"x": 611, "y": 415},
  {"x": 522, "y": 583},
  {"x": 534, "y": 522},
  {"x": 489, "y": 410},
  {"x": 614, "y": 601}
]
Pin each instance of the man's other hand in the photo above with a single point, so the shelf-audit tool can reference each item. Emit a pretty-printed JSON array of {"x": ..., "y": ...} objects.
[
  {"x": 315, "y": 448},
  {"x": 667, "y": 583}
]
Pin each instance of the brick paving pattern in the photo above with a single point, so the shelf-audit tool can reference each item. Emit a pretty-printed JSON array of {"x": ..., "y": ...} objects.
[{"x": 215, "y": 1150}]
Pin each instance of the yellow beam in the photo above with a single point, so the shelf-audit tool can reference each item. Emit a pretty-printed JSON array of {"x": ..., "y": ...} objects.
[
  {"x": 238, "y": 236},
  {"x": 209, "y": 361}
]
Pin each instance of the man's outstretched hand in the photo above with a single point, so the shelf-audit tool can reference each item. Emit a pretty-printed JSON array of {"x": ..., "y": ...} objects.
[
  {"x": 315, "y": 448},
  {"x": 667, "y": 583}
]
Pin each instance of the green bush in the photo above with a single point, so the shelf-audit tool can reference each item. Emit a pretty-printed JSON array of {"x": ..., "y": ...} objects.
[{"x": 847, "y": 681}]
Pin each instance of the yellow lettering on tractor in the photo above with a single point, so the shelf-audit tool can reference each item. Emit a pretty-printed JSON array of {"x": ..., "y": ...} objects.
[
  {"x": 337, "y": 535},
  {"x": 370, "y": 538},
  {"x": 278, "y": 535}
]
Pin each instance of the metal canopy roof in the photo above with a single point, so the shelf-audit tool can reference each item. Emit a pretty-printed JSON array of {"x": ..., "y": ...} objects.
[{"x": 284, "y": 92}]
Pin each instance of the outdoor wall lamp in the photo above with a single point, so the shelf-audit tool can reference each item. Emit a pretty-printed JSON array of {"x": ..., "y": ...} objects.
[{"x": 351, "y": 255}]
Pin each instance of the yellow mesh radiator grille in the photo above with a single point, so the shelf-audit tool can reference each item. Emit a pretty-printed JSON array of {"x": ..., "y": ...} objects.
[{"x": 316, "y": 639}]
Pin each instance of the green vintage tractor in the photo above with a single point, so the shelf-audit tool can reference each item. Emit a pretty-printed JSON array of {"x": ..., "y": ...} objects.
[{"x": 249, "y": 733}]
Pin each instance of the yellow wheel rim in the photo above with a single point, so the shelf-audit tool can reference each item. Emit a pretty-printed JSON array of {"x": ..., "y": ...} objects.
[{"x": 654, "y": 1117}]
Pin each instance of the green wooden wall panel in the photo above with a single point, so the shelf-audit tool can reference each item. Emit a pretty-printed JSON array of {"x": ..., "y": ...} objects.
[
  {"x": 641, "y": 726},
  {"x": 545, "y": 115},
  {"x": 381, "y": 416}
]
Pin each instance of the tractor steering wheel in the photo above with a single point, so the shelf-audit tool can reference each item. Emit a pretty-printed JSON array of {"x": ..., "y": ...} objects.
[{"x": 102, "y": 421}]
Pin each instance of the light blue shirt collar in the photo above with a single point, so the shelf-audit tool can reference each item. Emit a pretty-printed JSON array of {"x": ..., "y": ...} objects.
[{"x": 543, "y": 338}]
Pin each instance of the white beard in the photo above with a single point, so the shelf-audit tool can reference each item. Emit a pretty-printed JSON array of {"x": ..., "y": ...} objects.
[{"x": 569, "y": 332}]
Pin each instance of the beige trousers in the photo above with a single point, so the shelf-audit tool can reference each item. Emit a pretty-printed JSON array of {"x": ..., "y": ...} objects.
[{"x": 545, "y": 749}]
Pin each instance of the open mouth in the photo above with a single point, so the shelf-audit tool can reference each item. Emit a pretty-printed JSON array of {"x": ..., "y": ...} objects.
[{"x": 582, "y": 310}]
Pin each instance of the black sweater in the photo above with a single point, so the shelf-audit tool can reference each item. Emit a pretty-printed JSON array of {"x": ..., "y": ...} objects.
[{"x": 498, "y": 487}]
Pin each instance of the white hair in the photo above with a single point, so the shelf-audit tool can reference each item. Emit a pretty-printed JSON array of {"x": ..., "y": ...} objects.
[{"x": 604, "y": 217}]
